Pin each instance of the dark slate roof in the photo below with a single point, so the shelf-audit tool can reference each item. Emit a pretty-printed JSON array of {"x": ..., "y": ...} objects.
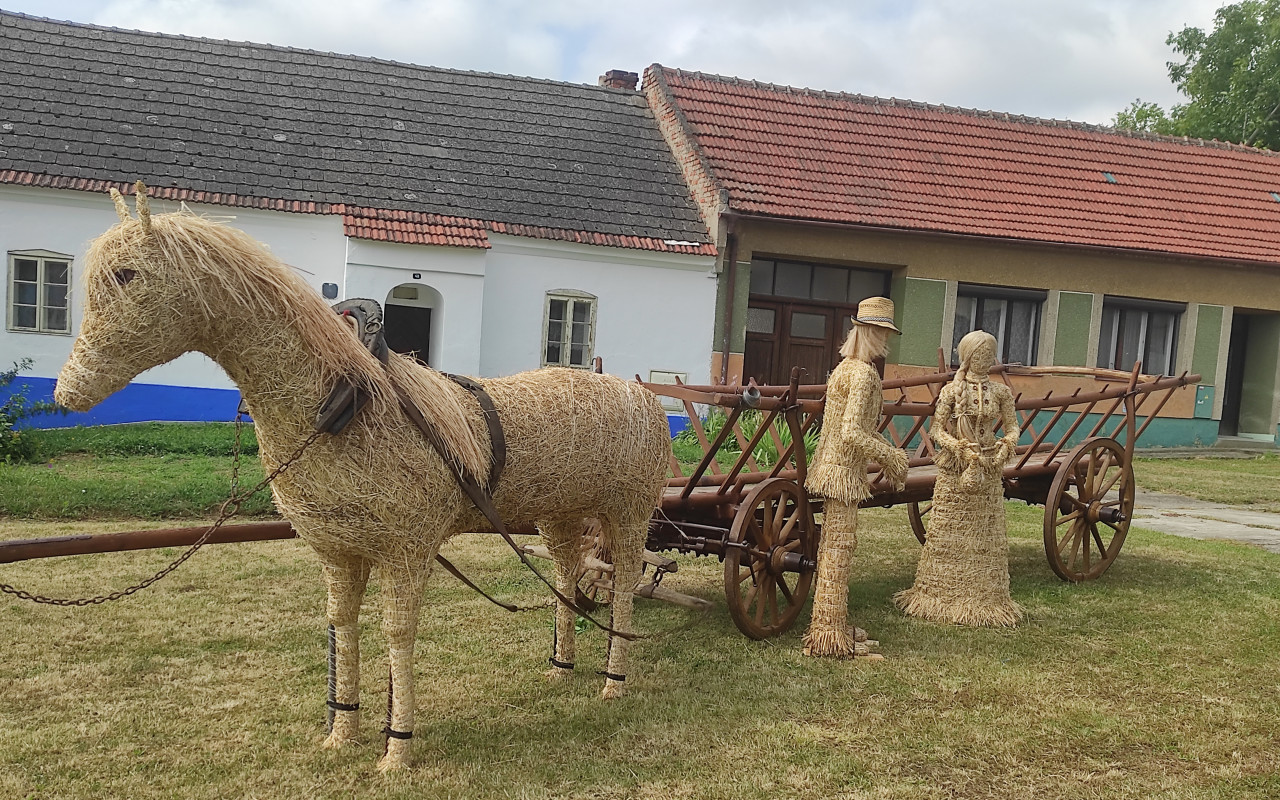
[{"x": 260, "y": 121}]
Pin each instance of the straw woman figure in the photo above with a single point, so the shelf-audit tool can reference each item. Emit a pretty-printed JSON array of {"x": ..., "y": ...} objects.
[
  {"x": 963, "y": 575},
  {"x": 849, "y": 441}
]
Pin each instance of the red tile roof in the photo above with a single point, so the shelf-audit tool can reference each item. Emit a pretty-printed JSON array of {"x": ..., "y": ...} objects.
[
  {"x": 377, "y": 224},
  {"x": 796, "y": 153},
  {"x": 412, "y": 227}
]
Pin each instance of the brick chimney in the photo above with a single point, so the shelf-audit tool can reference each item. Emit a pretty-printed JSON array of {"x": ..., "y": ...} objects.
[{"x": 620, "y": 79}]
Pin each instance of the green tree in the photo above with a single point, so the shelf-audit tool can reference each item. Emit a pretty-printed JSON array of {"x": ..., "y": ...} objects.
[{"x": 1230, "y": 76}]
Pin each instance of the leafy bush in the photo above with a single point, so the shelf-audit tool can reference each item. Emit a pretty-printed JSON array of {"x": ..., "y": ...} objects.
[
  {"x": 17, "y": 445},
  {"x": 687, "y": 448}
]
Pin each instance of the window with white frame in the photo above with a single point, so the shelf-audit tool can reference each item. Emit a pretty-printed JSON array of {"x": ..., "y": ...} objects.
[
  {"x": 1010, "y": 315},
  {"x": 1139, "y": 330},
  {"x": 39, "y": 292},
  {"x": 569, "y": 329}
]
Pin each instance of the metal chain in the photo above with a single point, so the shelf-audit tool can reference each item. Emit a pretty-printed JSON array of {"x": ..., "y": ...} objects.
[{"x": 228, "y": 510}]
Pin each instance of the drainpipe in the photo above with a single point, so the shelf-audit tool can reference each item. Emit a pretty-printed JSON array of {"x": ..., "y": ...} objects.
[{"x": 731, "y": 289}]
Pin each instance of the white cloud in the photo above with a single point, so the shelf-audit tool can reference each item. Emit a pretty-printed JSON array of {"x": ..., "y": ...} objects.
[{"x": 1075, "y": 59}]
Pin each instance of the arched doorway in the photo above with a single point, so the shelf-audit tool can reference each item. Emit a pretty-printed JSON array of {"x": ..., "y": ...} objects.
[{"x": 408, "y": 319}]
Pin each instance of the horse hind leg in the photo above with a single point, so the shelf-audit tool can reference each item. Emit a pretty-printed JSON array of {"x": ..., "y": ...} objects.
[
  {"x": 564, "y": 542},
  {"x": 345, "y": 582},
  {"x": 626, "y": 543}
]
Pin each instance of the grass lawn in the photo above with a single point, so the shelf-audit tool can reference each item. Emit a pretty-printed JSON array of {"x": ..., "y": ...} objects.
[
  {"x": 1160, "y": 680},
  {"x": 1254, "y": 482}
]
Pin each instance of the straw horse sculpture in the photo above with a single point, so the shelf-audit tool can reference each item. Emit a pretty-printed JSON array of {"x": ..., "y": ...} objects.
[{"x": 376, "y": 496}]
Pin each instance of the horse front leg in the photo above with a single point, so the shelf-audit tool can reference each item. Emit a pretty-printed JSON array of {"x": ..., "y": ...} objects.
[
  {"x": 402, "y": 586},
  {"x": 345, "y": 581}
]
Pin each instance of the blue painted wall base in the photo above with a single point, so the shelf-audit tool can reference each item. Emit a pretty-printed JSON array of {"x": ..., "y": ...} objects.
[{"x": 137, "y": 402}]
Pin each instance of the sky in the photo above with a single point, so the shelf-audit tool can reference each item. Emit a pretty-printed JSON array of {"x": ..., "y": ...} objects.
[{"x": 1082, "y": 60}]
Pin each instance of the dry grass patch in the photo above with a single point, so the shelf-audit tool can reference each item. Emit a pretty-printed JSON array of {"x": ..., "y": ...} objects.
[{"x": 1159, "y": 680}]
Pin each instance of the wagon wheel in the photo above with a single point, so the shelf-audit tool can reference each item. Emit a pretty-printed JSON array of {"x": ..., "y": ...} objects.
[
  {"x": 918, "y": 514},
  {"x": 768, "y": 581},
  {"x": 1087, "y": 512}
]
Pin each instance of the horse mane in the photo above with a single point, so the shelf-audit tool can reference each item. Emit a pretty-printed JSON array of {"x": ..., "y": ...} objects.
[{"x": 201, "y": 252}]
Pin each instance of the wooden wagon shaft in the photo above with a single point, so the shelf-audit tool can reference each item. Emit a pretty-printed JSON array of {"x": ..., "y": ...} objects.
[
  {"x": 53, "y": 546},
  {"x": 85, "y": 544}
]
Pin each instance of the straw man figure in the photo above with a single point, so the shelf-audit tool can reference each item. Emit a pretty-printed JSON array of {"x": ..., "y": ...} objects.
[
  {"x": 839, "y": 473},
  {"x": 963, "y": 575}
]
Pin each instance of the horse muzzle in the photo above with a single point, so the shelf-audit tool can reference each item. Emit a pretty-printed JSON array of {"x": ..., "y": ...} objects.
[{"x": 80, "y": 388}]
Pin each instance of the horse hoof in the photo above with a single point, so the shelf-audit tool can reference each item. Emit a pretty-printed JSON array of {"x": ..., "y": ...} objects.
[
  {"x": 333, "y": 741},
  {"x": 555, "y": 674},
  {"x": 396, "y": 759},
  {"x": 613, "y": 690}
]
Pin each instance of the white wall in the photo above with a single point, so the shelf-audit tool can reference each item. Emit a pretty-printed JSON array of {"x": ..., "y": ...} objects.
[
  {"x": 456, "y": 273},
  {"x": 67, "y": 221},
  {"x": 655, "y": 310}
]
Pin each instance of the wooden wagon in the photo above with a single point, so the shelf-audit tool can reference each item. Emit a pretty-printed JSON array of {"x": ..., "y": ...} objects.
[{"x": 744, "y": 500}]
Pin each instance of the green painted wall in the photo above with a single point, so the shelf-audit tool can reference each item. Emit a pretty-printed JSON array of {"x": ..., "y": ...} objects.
[
  {"x": 1071, "y": 342},
  {"x": 920, "y": 318},
  {"x": 1204, "y": 353},
  {"x": 1260, "y": 360},
  {"x": 1162, "y": 432}
]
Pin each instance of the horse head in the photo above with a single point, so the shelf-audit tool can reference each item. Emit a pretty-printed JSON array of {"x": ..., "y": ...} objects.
[{"x": 138, "y": 312}]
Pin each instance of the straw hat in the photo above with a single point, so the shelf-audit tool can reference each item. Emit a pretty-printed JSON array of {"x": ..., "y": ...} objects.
[{"x": 876, "y": 311}]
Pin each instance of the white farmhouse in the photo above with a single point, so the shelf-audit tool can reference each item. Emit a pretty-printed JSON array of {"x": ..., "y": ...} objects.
[{"x": 505, "y": 223}]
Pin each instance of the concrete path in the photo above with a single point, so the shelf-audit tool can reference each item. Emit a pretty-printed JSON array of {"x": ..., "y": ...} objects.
[{"x": 1199, "y": 519}]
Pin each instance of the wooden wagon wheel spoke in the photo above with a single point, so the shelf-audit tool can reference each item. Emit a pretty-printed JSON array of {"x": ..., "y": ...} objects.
[
  {"x": 1106, "y": 487},
  {"x": 1094, "y": 484},
  {"x": 779, "y": 521},
  {"x": 773, "y": 533},
  {"x": 785, "y": 533},
  {"x": 1073, "y": 536},
  {"x": 785, "y": 589},
  {"x": 1102, "y": 548}
]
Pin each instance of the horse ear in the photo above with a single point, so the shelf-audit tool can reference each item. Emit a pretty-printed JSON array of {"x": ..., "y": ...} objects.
[
  {"x": 144, "y": 207},
  {"x": 122, "y": 210}
]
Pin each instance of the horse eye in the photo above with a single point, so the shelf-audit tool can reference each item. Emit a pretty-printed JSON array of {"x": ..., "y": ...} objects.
[{"x": 123, "y": 276}]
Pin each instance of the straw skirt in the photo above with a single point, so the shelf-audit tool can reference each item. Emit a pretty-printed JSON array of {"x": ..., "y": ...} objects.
[{"x": 963, "y": 574}]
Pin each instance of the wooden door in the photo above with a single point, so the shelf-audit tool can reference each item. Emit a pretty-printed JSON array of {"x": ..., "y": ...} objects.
[
  {"x": 808, "y": 342},
  {"x": 782, "y": 335}
]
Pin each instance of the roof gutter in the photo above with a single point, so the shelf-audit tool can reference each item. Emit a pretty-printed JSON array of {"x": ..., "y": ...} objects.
[{"x": 1153, "y": 255}]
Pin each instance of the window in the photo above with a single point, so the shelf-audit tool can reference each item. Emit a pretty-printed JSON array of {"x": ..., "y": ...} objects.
[
  {"x": 819, "y": 282},
  {"x": 569, "y": 329},
  {"x": 1010, "y": 315},
  {"x": 39, "y": 292},
  {"x": 1139, "y": 330}
]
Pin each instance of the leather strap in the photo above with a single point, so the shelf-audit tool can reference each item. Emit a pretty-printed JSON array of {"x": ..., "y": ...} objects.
[
  {"x": 336, "y": 706},
  {"x": 555, "y": 662},
  {"x": 397, "y": 734},
  {"x": 484, "y": 503},
  {"x": 497, "y": 441},
  {"x": 444, "y": 562}
]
